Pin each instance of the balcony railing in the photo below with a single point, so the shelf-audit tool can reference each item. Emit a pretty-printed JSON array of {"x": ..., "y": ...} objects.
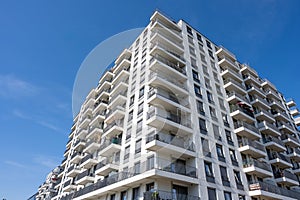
[
  {"x": 232, "y": 93},
  {"x": 121, "y": 93},
  {"x": 287, "y": 136},
  {"x": 273, "y": 139},
  {"x": 159, "y": 164},
  {"x": 260, "y": 99},
  {"x": 286, "y": 174},
  {"x": 169, "y": 139},
  {"x": 179, "y": 44},
  {"x": 87, "y": 157},
  {"x": 273, "y": 189},
  {"x": 239, "y": 124},
  {"x": 275, "y": 155},
  {"x": 84, "y": 174},
  {"x": 106, "y": 143},
  {"x": 256, "y": 163},
  {"x": 255, "y": 144},
  {"x": 168, "y": 63},
  {"x": 170, "y": 116},
  {"x": 115, "y": 123},
  {"x": 234, "y": 82},
  {"x": 257, "y": 112},
  {"x": 264, "y": 124},
  {"x": 167, "y": 50},
  {"x": 234, "y": 108},
  {"x": 227, "y": 59},
  {"x": 164, "y": 195}
]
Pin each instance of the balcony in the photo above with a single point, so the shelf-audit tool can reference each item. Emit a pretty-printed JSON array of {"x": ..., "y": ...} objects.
[
  {"x": 82, "y": 133},
  {"x": 73, "y": 171},
  {"x": 263, "y": 115},
  {"x": 118, "y": 98},
  {"x": 167, "y": 52},
  {"x": 91, "y": 146},
  {"x": 115, "y": 113},
  {"x": 164, "y": 80},
  {"x": 167, "y": 143},
  {"x": 246, "y": 130},
  {"x": 222, "y": 51},
  {"x": 290, "y": 140},
  {"x": 76, "y": 157},
  {"x": 88, "y": 161},
  {"x": 297, "y": 121},
  {"x": 294, "y": 154},
  {"x": 106, "y": 166},
  {"x": 266, "y": 190},
  {"x": 294, "y": 112},
  {"x": 267, "y": 84},
  {"x": 120, "y": 85},
  {"x": 275, "y": 104},
  {"x": 272, "y": 94},
  {"x": 159, "y": 36},
  {"x": 291, "y": 103},
  {"x": 287, "y": 128},
  {"x": 253, "y": 148},
  {"x": 79, "y": 144},
  {"x": 100, "y": 106},
  {"x": 227, "y": 62},
  {"x": 259, "y": 102},
  {"x": 241, "y": 113},
  {"x": 234, "y": 86},
  {"x": 250, "y": 79},
  {"x": 231, "y": 74},
  {"x": 85, "y": 121},
  {"x": 255, "y": 91},
  {"x": 234, "y": 98},
  {"x": 126, "y": 54},
  {"x": 98, "y": 118},
  {"x": 281, "y": 116},
  {"x": 114, "y": 128},
  {"x": 159, "y": 194},
  {"x": 255, "y": 167},
  {"x": 274, "y": 143},
  {"x": 109, "y": 147},
  {"x": 69, "y": 186},
  {"x": 168, "y": 100},
  {"x": 85, "y": 177},
  {"x": 286, "y": 177},
  {"x": 121, "y": 73},
  {"x": 169, "y": 121},
  {"x": 247, "y": 69},
  {"x": 268, "y": 129},
  {"x": 279, "y": 160},
  {"x": 94, "y": 132}
]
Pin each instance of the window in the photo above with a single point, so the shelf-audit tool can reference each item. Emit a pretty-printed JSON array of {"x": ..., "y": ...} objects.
[
  {"x": 194, "y": 63},
  {"x": 208, "y": 44},
  {"x": 199, "y": 38},
  {"x": 131, "y": 101},
  {"x": 202, "y": 126},
  {"x": 213, "y": 113},
  {"x": 225, "y": 120},
  {"x": 124, "y": 195},
  {"x": 229, "y": 138},
  {"x": 223, "y": 172},
  {"x": 205, "y": 70},
  {"x": 212, "y": 194},
  {"x": 113, "y": 197},
  {"x": 238, "y": 180},
  {"x": 196, "y": 76},
  {"x": 197, "y": 91},
  {"x": 232, "y": 155},
  {"x": 150, "y": 162},
  {"x": 137, "y": 167},
  {"x": 227, "y": 195},
  {"x": 205, "y": 147},
  {"x": 130, "y": 116},
  {"x": 189, "y": 30},
  {"x": 202, "y": 58},
  {"x": 138, "y": 145},
  {"x": 219, "y": 151},
  {"x": 190, "y": 39},
  {"x": 128, "y": 133},
  {"x": 140, "y": 108},
  {"x": 200, "y": 108},
  {"x": 217, "y": 132},
  {"x": 242, "y": 197},
  {"x": 135, "y": 193},
  {"x": 127, "y": 152},
  {"x": 139, "y": 126},
  {"x": 133, "y": 86},
  {"x": 213, "y": 65},
  {"x": 142, "y": 79},
  {"x": 209, "y": 97},
  {"x": 201, "y": 47},
  {"x": 207, "y": 83},
  {"x": 211, "y": 54},
  {"x": 208, "y": 169},
  {"x": 218, "y": 88},
  {"x": 192, "y": 51},
  {"x": 150, "y": 186},
  {"x": 141, "y": 92},
  {"x": 221, "y": 103},
  {"x": 216, "y": 77}
]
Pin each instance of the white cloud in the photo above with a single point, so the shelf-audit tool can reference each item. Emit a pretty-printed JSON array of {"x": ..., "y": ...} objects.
[
  {"x": 14, "y": 164},
  {"x": 46, "y": 161},
  {"x": 13, "y": 87}
]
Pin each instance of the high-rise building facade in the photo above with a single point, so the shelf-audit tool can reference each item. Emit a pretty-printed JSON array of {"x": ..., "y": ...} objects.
[{"x": 178, "y": 117}]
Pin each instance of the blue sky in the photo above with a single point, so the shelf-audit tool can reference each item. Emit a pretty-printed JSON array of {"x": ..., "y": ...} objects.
[{"x": 42, "y": 44}]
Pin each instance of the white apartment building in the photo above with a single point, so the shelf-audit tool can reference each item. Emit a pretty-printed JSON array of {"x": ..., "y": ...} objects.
[{"x": 178, "y": 117}]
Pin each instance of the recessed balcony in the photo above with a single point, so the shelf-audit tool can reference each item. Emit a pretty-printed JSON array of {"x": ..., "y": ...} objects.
[
  {"x": 287, "y": 178},
  {"x": 169, "y": 121},
  {"x": 274, "y": 143},
  {"x": 109, "y": 147},
  {"x": 166, "y": 143},
  {"x": 246, "y": 130},
  {"x": 268, "y": 129},
  {"x": 252, "y": 148},
  {"x": 164, "y": 80},
  {"x": 168, "y": 195},
  {"x": 280, "y": 160},
  {"x": 255, "y": 167},
  {"x": 232, "y": 85}
]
